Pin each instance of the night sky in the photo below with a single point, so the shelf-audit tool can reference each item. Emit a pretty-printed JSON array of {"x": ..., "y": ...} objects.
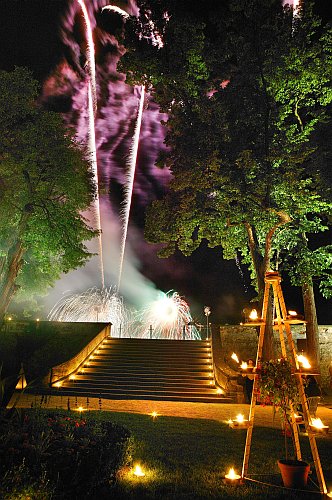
[{"x": 32, "y": 35}]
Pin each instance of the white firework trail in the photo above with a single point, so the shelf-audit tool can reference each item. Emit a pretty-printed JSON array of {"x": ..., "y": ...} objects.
[
  {"x": 168, "y": 317},
  {"x": 94, "y": 305},
  {"x": 92, "y": 108},
  {"x": 90, "y": 54},
  {"x": 116, "y": 9},
  {"x": 130, "y": 176},
  {"x": 93, "y": 152}
]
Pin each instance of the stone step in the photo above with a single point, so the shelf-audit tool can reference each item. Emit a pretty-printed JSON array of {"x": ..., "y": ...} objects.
[
  {"x": 193, "y": 381},
  {"x": 141, "y": 370},
  {"x": 169, "y": 364},
  {"x": 134, "y": 388},
  {"x": 158, "y": 377},
  {"x": 155, "y": 395},
  {"x": 147, "y": 385},
  {"x": 150, "y": 342},
  {"x": 156, "y": 355}
]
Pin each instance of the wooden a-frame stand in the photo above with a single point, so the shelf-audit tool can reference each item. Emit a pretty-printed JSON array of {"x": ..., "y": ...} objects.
[{"x": 282, "y": 323}]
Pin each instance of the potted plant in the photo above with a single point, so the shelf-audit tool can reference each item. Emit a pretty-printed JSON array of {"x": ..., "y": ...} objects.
[{"x": 277, "y": 384}]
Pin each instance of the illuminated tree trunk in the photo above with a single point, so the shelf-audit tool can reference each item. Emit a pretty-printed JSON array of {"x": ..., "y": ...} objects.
[
  {"x": 8, "y": 285},
  {"x": 11, "y": 266},
  {"x": 312, "y": 324},
  {"x": 261, "y": 265}
]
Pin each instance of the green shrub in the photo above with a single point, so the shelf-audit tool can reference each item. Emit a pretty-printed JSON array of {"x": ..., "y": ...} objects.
[{"x": 69, "y": 453}]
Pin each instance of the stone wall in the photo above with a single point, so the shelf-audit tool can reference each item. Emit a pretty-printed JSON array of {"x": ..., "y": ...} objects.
[
  {"x": 243, "y": 341},
  {"x": 325, "y": 342}
]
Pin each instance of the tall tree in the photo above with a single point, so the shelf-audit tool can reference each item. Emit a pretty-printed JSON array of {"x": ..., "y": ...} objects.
[
  {"x": 246, "y": 87},
  {"x": 45, "y": 185}
]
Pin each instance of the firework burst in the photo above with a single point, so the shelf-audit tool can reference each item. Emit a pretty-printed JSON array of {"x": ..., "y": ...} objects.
[
  {"x": 93, "y": 305},
  {"x": 168, "y": 317}
]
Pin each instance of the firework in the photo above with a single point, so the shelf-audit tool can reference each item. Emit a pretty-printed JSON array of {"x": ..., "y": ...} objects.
[
  {"x": 168, "y": 317},
  {"x": 92, "y": 108},
  {"x": 113, "y": 8},
  {"x": 94, "y": 305},
  {"x": 130, "y": 181}
]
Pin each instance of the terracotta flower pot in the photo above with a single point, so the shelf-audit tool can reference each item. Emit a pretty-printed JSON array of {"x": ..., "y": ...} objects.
[{"x": 294, "y": 473}]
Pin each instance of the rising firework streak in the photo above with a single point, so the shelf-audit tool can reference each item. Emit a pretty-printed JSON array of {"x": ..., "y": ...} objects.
[
  {"x": 92, "y": 107},
  {"x": 130, "y": 181}
]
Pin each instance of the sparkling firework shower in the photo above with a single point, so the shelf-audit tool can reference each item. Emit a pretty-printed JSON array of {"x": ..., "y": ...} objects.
[
  {"x": 130, "y": 181},
  {"x": 93, "y": 305},
  {"x": 169, "y": 318},
  {"x": 113, "y": 125}
]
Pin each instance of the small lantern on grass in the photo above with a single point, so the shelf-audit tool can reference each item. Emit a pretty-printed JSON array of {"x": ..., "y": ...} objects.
[
  {"x": 239, "y": 422},
  {"x": 138, "y": 471},
  {"x": 232, "y": 477},
  {"x": 318, "y": 427}
]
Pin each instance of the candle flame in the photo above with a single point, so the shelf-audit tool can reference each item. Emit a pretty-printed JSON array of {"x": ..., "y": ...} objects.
[
  {"x": 234, "y": 356},
  {"x": 232, "y": 474},
  {"x": 316, "y": 422},
  {"x": 304, "y": 361},
  {"x": 240, "y": 418},
  {"x": 244, "y": 365},
  {"x": 138, "y": 471},
  {"x": 253, "y": 315}
]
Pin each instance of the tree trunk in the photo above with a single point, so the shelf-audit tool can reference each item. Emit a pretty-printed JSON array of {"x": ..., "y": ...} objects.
[
  {"x": 8, "y": 286},
  {"x": 312, "y": 325},
  {"x": 11, "y": 266},
  {"x": 261, "y": 265}
]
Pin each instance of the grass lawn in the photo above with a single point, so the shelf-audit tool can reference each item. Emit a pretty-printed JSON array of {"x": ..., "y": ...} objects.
[{"x": 187, "y": 459}]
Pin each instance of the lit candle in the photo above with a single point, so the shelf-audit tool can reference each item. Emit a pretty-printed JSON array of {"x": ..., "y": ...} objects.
[
  {"x": 239, "y": 422},
  {"x": 244, "y": 365},
  {"x": 294, "y": 317},
  {"x": 303, "y": 361},
  {"x": 253, "y": 316},
  {"x": 316, "y": 422},
  {"x": 138, "y": 471},
  {"x": 232, "y": 477},
  {"x": 240, "y": 418},
  {"x": 154, "y": 414},
  {"x": 318, "y": 426}
]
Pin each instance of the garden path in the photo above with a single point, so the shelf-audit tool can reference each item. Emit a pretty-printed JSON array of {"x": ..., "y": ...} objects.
[{"x": 212, "y": 411}]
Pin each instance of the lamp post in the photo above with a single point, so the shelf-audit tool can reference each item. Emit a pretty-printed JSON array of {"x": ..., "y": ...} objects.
[{"x": 207, "y": 312}]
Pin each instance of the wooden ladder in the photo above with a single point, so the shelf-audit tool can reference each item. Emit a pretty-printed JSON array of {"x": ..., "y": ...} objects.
[{"x": 282, "y": 324}]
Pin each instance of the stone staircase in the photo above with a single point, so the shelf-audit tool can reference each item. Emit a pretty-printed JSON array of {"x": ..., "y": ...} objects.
[{"x": 167, "y": 370}]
